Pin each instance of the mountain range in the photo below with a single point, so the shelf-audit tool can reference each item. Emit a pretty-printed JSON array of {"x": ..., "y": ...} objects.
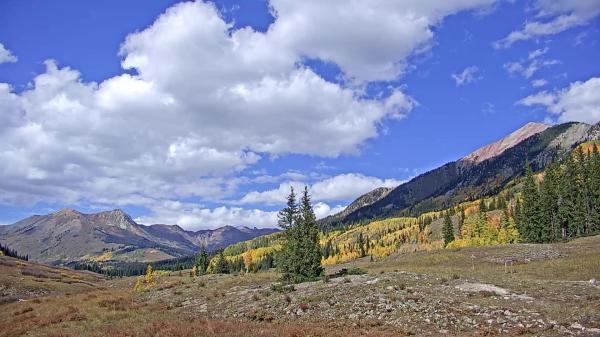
[
  {"x": 481, "y": 173},
  {"x": 69, "y": 235}
]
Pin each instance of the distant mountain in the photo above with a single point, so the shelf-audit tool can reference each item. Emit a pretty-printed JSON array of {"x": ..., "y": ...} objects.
[
  {"x": 69, "y": 235},
  {"x": 362, "y": 201},
  {"x": 481, "y": 173}
]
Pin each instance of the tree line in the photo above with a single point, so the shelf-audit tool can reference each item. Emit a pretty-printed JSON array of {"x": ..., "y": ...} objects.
[
  {"x": 5, "y": 250},
  {"x": 566, "y": 203}
]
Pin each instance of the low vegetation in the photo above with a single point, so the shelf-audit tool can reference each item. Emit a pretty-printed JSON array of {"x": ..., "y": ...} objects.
[{"x": 461, "y": 292}]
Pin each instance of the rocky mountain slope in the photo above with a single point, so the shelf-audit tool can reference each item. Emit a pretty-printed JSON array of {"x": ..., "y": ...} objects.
[
  {"x": 69, "y": 235},
  {"x": 362, "y": 201},
  {"x": 481, "y": 173},
  {"x": 497, "y": 148}
]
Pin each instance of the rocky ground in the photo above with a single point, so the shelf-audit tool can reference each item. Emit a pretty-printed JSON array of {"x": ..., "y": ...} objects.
[
  {"x": 470, "y": 291},
  {"x": 548, "y": 291}
]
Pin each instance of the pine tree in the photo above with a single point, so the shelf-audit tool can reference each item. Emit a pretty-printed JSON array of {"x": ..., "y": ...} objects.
[
  {"x": 570, "y": 212},
  {"x": 531, "y": 216},
  {"x": 550, "y": 228},
  {"x": 448, "y": 230},
  {"x": 202, "y": 261},
  {"x": 461, "y": 221},
  {"x": 508, "y": 232},
  {"x": 288, "y": 216},
  {"x": 594, "y": 172},
  {"x": 308, "y": 223},
  {"x": 221, "y": 264},
  {"x": 300, "y": 256},
  {"x": 482, "y": 206},
  {"x": 360, "y": 242}
]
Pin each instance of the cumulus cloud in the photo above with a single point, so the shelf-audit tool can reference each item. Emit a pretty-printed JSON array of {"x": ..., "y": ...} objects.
[
  {"x": 580, "y": 101},
  {"x": 343, "y": 187},
  {"x": 468, "y": 75},
  {"x": 553, "y": 17},
  {"x": 6, "y": 55},
  {"x": 348, "y": 34},
  {"x": 202, "y": 101},
  {"x": 323, "y": 210}
]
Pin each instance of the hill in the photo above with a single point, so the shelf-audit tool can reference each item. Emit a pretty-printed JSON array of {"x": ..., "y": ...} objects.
[{"x": 69, "y": 235}]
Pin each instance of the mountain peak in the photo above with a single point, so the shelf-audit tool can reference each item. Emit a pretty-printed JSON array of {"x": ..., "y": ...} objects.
[
  {"x": 116, "y": 217},
  {"x": 496, "y": 148},
  {"x": 67, "y": 212}
]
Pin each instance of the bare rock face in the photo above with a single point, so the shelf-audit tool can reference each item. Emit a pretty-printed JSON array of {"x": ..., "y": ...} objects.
[{"x": 497, "y": 148}]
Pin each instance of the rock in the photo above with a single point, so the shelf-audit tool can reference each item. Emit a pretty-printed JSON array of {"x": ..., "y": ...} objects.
[
  {"x": 577, "y": 326},
  {"x": 594, "y": 282}
]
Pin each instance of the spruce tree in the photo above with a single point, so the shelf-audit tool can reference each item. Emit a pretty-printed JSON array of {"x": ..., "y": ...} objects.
[
  {"x": 448, "y": 230},
  {"x": 594, "y": 172},
  {"x": 461, "y": 221},
  {"x": 221, "y": 264},
  {"x": 508, "y": 230},
  {"x": 482, "y": 206},
  {"x": 310, "y": 238},
  {"x": 550, "y": 228},
  {"x": 531, "y": 215},
  {"x": 362, "y": 252},
  {"x": 570, "y": 212},
  {"x": 288, "y": 216},
  {"x": 300, "y": 256},
  {"x": 202, "y": 261}
]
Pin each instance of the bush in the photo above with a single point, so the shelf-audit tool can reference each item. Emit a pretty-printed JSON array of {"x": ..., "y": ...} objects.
[
  {"x": 282, "y": 288},
  {"x": 352, "y": 271}
]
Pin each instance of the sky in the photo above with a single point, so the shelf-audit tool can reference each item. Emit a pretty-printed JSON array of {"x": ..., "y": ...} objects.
[{"x": 204, "y": 113}]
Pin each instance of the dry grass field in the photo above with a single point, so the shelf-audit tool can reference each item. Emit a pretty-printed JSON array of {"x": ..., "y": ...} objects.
[{"x": 464, "y": 292}]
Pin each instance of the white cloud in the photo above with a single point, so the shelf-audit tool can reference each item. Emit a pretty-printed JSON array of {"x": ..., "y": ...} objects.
[
  {"x": 6, "y": 56},
  {"x": 537, "y": 53},
  {"x": 193, "y": 217},
  {"x": 580, "y": 101},
  {"x": 553, "y": 17},
  {"x": 343, "y": 187},
  {"x": 527, "y": 68},
  {"x": 207, "y": 101},
  {"x": 348, "y": 32},
  {"x": 468, "y": 75},
  {"x": 322, "y": 210},
  {"x": 540, "y": 82}
]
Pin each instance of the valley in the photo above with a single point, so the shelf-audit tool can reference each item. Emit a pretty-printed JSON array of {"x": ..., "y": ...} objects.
[{"x": 456, "y": 292}]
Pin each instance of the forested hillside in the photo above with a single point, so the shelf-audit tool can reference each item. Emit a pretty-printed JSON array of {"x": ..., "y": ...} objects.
[{"x": 561, "y": 202}]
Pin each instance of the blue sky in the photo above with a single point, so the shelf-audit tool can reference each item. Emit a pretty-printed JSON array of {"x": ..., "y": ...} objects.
[{"x": 203, "y": 114}]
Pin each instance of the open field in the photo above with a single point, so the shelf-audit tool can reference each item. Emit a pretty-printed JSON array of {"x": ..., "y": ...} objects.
[{"x": 464, "y": 292}]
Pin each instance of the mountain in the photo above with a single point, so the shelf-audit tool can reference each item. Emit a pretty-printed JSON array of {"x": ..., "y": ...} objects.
[
  {"x": 481, "y": 173},
  {"x": 69, "y": 235},
  {"x": 362, "y": 201},
  {"x": 497, "y": 148}
]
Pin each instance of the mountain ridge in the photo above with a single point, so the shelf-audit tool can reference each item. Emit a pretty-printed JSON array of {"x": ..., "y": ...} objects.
[
  {"x": 69, "y": 235},
  {"x": 480, "y": 173}
]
